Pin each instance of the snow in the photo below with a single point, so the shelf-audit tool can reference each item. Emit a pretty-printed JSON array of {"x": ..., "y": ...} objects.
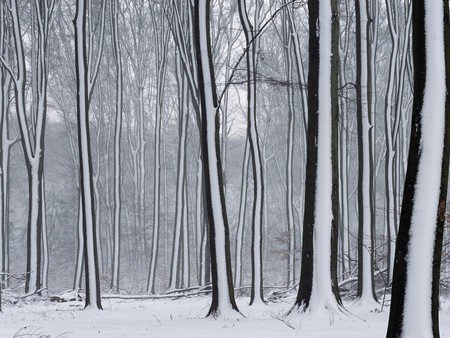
[
  {"x": 185, "y": 318},
  {"x": 417, "y": 319}
]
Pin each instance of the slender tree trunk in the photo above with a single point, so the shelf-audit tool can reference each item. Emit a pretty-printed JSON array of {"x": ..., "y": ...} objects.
[
  {"x": 256, "y": 294},
  {"x": 117, "y": 146},
  {"x": 366, "y": 290},
  {"x": 45, "y": 249},
  {"x": 222, "y": 280},
  {"x": 241, "y": 217},
  {"x": 92, "y": 284},
  {"x": 287, "y": 30}
]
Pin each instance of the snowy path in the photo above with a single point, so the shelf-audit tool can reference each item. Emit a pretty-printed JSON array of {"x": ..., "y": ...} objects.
[{"x": 184, "y": 318}]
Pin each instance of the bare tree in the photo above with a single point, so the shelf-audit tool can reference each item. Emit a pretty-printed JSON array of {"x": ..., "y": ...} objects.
[
  {"x": 222, "y": 280},
  {"x": 316, "y": 288},
  {"x": 419, "y": 242},
  {"x": 86, "y": 75},
  {"x": 32, "y": 142}
]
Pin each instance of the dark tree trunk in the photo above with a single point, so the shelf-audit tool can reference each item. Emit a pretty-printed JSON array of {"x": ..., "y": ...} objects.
[
  {"x": 222, "y": 281},
  {"x": 335, "y": 150},
  {"x": 401, "y": 267},
  {"x": 92, "y": 282},
  {"x": 306, "y": 275}
]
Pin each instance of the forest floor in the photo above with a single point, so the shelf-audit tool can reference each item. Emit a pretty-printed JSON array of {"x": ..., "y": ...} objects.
[{"x": 184, "y": 317}]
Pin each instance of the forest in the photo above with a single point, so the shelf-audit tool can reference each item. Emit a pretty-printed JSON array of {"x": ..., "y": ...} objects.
[{"x": 263, "y": 161}]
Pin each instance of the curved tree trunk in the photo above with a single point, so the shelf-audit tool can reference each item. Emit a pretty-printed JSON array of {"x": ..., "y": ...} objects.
[{"x": 222, "y": 280}]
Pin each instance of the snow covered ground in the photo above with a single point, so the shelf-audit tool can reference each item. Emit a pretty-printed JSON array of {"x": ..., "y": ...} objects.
[{"x": 185, "y": 318}]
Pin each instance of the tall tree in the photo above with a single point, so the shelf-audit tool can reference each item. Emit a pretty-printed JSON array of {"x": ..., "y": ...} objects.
[
  {"x": 250, "y": 32},
  {"x": 366, "y": 290},
  {"x": 222, "y": 280},
  {"x": 415, "y": 289},
  {"x": 315, "y": 288},
  {"x": 84, "y": 84},
  {"x": 32, "y": 142},
  {"x": 117, "y": 144},
  {"x": 161, "y": 45}
]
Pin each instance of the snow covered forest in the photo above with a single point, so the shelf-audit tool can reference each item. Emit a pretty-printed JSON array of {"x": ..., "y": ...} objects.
[{"x": 280, "y": 166}]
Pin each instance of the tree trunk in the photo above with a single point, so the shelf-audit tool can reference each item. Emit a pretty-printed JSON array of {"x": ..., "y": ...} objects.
[
  {"x": 117, "y": 147},
  {"x": 222, "y": 280},
  {"x": 366, "y": 290},
  {"x": 419, "y": 240},
  {"x": 92, "y": 284},
  {"x": 316, "y": 284}
]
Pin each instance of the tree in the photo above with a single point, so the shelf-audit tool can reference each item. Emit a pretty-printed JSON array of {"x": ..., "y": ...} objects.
[
  {"x": 6, "y": 143},
  {"x": 84, "y": 84},
  {"x": 32, "y": 142},
  {"x": 415, "y": 289},
  {"x": 117, "y": 144},
  {"x": 161, "y": 45},
  {"x": 250, "y": 32},
  {"x": 366, "y": 219},
  {"x": 222, "y": 280},
  {"x": 315, "y": 288}
]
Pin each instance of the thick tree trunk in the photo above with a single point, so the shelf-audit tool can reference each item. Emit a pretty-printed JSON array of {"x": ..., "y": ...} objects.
[
  {"x": 317, "y": 284},
  {"x": 419, "y": 241}
]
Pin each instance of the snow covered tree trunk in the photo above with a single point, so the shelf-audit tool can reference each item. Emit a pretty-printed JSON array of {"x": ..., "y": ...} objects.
[
  {"x": 287, "y": 32},
  {"x": 393, "y": 115},
  {"x": 343, "y": 150},
  {"x": 3, "y": 112},
  {"x": 32, "y": 132},
  {"x": 179, "y": 231},
  {"x": 315, "y": 289},
  {"x": 80, "y": 246},
  {"x": 92, "y": 284},
  {"x": 45, "y": 249},
  {"x": 255, "y": 152},
  {"x": 5, "y": 145},
  {"x": 366, "y": 290},
  {"x": 161, "y": 44},
  {"x": 222, "y": 280},
  {"x": 117, "y": 146},
  {"x": 202, "y": 230},
  {"x": 241, "y": 216},
  {"x": 415, "y": 289},
  {"x": 292, "y": 44}
]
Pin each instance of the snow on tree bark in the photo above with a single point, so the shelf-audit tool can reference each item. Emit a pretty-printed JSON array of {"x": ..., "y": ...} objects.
[
  {"x": 222, "y": 284},
  {"x": 92, "y": 284},
  {"x": 366, "y": 291},
  {"x": 255, "y": 152},
  {"x": 415, "y": 289},
  {"x": 315, "y": 289}
]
